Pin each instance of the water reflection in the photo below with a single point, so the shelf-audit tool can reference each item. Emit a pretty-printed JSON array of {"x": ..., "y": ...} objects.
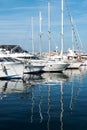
[
  {"x": 53, "y": 97},
  {"x": 33, "y": 79},
  {"x": 54, "y": 77},
  {"x": 11, "y": 86},
  {"x": 71, "y": 100},
  {"x": 44, "y": 98},
  {"x": 76, "y": 73},
  {"x": 76, "y": 80},
  {"x": 19, "y": 86},
  {"x": 50, "y": 81}
]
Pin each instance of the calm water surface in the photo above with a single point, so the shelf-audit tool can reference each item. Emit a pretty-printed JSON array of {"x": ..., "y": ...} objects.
[{"x": 50, "y": 101}]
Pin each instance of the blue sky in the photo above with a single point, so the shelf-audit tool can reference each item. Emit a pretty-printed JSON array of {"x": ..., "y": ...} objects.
[{"x": 15, "y": 23}]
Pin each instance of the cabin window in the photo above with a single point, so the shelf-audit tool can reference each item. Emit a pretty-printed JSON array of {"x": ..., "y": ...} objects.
[
  {"x": 2, "y": 60},
  {"x": 9, "y": 59}
]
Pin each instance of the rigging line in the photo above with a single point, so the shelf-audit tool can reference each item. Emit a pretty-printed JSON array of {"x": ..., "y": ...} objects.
[
  {"x": 79, "y": 38},
  {"x": 77, "y": 34},
  {"x": 73, "y": 29}
]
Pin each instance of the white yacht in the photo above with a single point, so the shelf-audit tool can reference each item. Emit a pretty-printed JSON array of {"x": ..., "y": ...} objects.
[
  {"x": 55, "y": 64},
  {"x": 10, "y": 68},
  {"x": 32, "y": 63}
]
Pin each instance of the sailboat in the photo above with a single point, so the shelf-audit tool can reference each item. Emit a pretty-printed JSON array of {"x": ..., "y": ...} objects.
[
  {"x": 73, "y": 58},
  {"x": 54, "y": 63},
  {"x": 75, "y": 63}
]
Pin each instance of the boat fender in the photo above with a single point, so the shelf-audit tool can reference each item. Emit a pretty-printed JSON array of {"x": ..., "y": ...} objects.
[{"x": 3, "y": 67}]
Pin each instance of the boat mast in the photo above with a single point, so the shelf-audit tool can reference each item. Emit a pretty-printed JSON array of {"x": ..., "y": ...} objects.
[
  {"x": 32, "y": 37},
  {"x": 62, "y": 27},
  {"x": 49, "y": 32},
  {"x": 40, "y": 32},
  {"x": 72, "y": 38}
]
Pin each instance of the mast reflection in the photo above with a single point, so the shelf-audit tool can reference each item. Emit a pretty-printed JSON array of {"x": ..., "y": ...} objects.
[
  {"x": 48, "y": 112},
  {"x": 40, "y": 104},
  {"x": 62, "y": 107},
  {"x": 32, "y": 107}
]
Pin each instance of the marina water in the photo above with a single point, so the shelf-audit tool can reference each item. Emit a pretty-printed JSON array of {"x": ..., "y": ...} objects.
[{"x": 48, "y": 101}]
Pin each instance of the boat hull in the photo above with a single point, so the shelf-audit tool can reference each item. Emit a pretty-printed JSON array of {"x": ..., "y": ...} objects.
[
  {"x": 34, "y": 68},
  {"x": 55, "y": 67},
  {"x": 74, "y": 65},
  {"x": 11, "y": 70}
]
